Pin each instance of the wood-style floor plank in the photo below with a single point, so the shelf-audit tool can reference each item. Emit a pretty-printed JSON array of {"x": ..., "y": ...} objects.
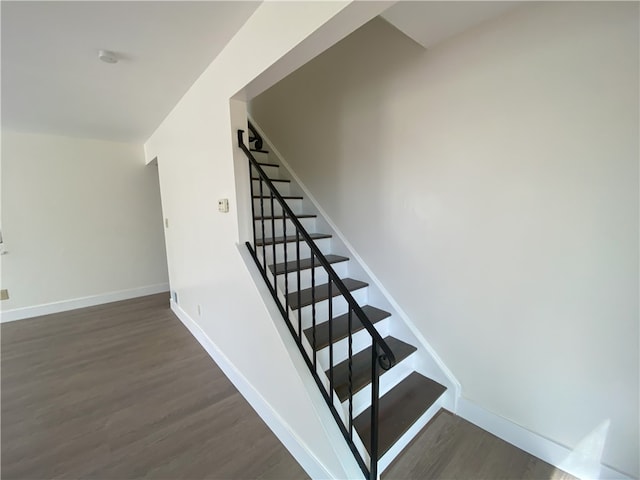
[
  {"x": 449, "y": 447},
  {"x": 123, "y": 391}
]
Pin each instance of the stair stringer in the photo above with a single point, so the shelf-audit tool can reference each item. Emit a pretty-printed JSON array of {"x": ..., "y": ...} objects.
[{"x": 425, "y": 361}]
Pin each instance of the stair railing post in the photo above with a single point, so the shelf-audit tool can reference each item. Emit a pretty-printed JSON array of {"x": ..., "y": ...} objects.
[
  {"x": 350, "y": 329},
  {"x": 298, "y": 279},
  {"x": 331, "y": 385},
  {"x": 375, "y": 386},
  {"x": 253, "y": 203},
  {"x": 313, "y": 309},
  {"x": 273, "y": 241},
  {"x": 264, "y": 248},
  {"x": 286, "y": 267}
]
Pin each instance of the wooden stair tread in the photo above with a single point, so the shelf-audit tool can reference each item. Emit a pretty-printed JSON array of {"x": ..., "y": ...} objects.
[
  {"x": 341, "y": 326},
  {"x": 289, "y": 239},
  {"x": 281, "y": 217},
  {"x": 305, "y": 264},
  {"x": 266, "y": 164},
  {"x": 361, "y": 368},
  {"x": 286, "y": 197},
  {"x": 398, "y": 410},
  {"x": 258, "y": 151},
  {"x": 283, "y": 180},
  {"x": 322, "y": 293}
]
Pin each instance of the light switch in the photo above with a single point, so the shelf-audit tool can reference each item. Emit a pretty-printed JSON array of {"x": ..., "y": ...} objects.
[{"x": 223, "y": 205}]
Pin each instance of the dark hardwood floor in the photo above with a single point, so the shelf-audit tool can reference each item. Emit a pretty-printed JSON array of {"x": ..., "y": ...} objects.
[{"x": 123, "y": 391}]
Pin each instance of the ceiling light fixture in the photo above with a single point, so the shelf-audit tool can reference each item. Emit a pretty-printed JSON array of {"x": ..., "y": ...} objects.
[{"x": 107, "y": 57}]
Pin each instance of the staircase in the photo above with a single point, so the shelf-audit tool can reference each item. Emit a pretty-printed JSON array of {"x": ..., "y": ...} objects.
[{"x": 372, "y": 372}]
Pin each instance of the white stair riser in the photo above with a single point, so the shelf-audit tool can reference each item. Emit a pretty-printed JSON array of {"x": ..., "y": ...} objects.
[
  {"x": 388, "y": 380},
  {"x": 294, "y": 204},
  {"x": 322, "y": 308},
  {"x": 260, "y": 156},
  {"x": 404, "y": 440},
  {"x": 320, "y": 275},
  {"x": 282, "y": 187},
  {"x": 321, "y": 278},
  {"x": 272, "y": 172},
  {"x": 362, "y": 400},
  {"x": 324, "y": 244},
  {"x": 309, "y": 225},
  {"x": 361, "y": 340}
]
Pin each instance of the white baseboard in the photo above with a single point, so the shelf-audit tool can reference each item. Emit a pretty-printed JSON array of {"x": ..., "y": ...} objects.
[
  {"x": 274, "y": 421},
  {"x": 551, "y": 452},
  {"x": 65, "y": 305}
]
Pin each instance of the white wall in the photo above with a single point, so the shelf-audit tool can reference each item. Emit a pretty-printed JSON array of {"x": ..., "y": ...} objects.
[
  {"x": 491, "y": 184},
  {"x": 196, "y": 146},
  {"x": 80, "y": 218}
]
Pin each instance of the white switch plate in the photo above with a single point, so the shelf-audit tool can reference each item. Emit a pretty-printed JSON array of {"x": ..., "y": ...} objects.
[{"x": 223, "y": 205}]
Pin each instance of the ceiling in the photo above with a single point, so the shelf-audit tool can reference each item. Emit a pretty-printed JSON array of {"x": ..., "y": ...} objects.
[
  {"x": 53, "y": 82},
  {"x": 429, "y": 22}
]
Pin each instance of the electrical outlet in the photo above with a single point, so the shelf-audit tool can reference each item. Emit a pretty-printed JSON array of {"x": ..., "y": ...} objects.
[
  {"x": 4, "y": 294},
  {"x": 223, "y": 205},
  {"x": 166, "y": 223}
]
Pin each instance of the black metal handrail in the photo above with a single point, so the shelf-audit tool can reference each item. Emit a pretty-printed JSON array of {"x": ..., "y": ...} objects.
[
  {"x": 389, "y": 361},
  {"x": 382, "y": 356},
  {"x": 255, "y": 137}
]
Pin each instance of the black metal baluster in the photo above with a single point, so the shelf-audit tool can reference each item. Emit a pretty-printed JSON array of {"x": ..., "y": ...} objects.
[
  {"x": 273, "y": 241},
  {"x": 264, "y": 243},
  {"x": 256, "y": 139},
  {"x": 298, "y": 270},
  {"x": 350, "y": 376},
  {"x": 380, "y": 350},
  {"x": 373, "y": 469},
  {"x": 253, "y": 205},
  {"x": 313, "y": 307},
  {"x": 286, "y": 267},
  {"x": 330, "y": 337}
]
